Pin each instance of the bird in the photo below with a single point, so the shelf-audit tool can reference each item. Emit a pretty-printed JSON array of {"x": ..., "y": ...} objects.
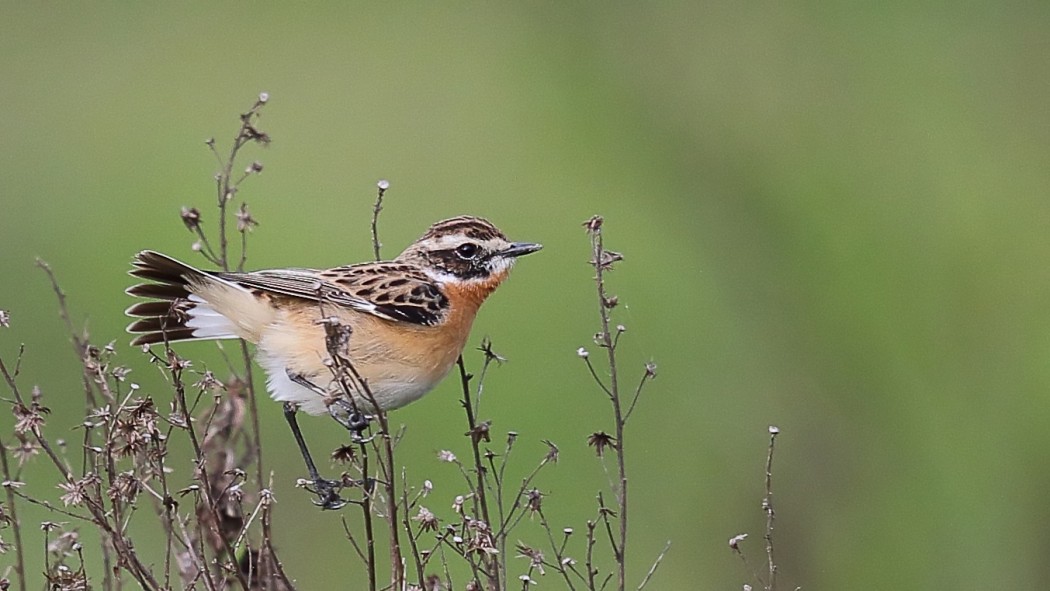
[{"x": 409, "y": 318}]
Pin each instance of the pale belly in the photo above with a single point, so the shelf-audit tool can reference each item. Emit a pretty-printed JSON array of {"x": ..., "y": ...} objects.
[{"x": 396, "y": 375}]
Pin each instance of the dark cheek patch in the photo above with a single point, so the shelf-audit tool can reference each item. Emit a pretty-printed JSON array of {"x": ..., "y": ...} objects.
[{"x": 451, "y": 263}]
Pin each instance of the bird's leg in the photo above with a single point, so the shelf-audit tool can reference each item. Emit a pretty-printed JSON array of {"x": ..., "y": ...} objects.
[
  {"x": 352, "y": 419},
  {"x": 327, "y": 490}
]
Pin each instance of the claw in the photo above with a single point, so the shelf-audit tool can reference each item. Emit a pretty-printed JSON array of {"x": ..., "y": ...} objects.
[
  {"x": 327, "y": 492},
  {"x": 352, "y": 419}
]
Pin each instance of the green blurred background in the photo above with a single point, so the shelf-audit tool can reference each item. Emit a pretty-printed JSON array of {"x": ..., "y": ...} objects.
[{"x": 833, "y": 215}]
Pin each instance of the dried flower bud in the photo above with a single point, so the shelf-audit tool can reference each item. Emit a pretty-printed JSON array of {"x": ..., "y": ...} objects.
[
  {"x": 191, "y": 217},
  {"x": 608, "y": 257},
  {"x": 263, "y": 97},
  {"x": 734, "y": 542},
  {"x": 254, "y": 168},
  {"x": 5, "y": 319},
  {"x": 594, "y": 224},
  {"x": 650, "y": 369},
  {"x": 552, "y": 452},
  {"x": 446, "y": 456},
  {"x": 534, "y": 500},
  {"x": 599, "y": 440},
  {"x": 383, "y": 184},
  {"x": 774, "y": 430},
  {"x": 427, "y": 520},
  {"x": 479, "y": 432},
  {"x": 245, "y": 221},
  {"x": 344, "y": 454},
  {"x": 582, "y": 353}
]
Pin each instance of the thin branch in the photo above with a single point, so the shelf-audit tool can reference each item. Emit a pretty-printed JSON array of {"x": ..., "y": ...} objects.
[
  {"x": 20, "y": 567},
  {"x": 381, "y": 186},
  {"x": 767, "y": 506},
  {"x": 656, "y": 564}
]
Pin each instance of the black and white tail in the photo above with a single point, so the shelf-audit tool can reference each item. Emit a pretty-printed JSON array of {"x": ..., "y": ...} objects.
[{"x": 177, "y": 313}]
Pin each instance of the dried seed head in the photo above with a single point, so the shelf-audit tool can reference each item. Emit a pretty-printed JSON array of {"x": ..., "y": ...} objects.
[
  {"x": 599, "y": 440},
  {"x": 5, "y": 319},
  {"x": 383, "y": 184},
  {"x": 245, "y": 221},
  {"x": 552, "y": 452},
  {"x": 534, "y": 500},
  {"x": 650, "y": 369},
  {"x": 480, "y": 431},
  {"x": 734, "y": 542},
  {"x": 594, "y": 224},
  {"x": 191, "y": 217},
  {"x": 427, "y": 520},
  {"x": 344, "y": 454}
]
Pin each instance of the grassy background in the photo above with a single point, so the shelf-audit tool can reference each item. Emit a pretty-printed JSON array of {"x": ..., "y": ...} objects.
[{"x": 834, "y": 219}]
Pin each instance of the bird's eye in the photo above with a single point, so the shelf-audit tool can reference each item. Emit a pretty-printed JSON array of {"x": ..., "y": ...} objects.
[{"x": 467, "y": 250}]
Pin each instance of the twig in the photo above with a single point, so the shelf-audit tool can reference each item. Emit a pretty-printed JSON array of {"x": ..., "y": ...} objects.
[
  {"x": 407, "y": 524},
  {"x": 656, "y": 564},
  {"x": 253, "y": 413},
  {"x": 767, "y": 506},
  {"x": 479, "y": 468},
  {"x": 602, "y": 261},
  {"x": 79, "y": 341},
  {"x": 382, "y": 186},
  {"x": 16, "y": 526}
]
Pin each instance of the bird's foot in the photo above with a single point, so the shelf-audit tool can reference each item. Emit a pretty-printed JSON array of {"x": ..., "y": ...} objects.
[
  {"x": 352, "y": 419},
  {"x": 327, "y": 492}
]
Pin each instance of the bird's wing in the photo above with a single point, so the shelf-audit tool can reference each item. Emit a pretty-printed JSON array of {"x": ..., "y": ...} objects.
[{"x": 393, "y": 291}]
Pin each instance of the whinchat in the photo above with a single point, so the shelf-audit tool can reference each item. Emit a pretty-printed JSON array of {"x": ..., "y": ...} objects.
[{"x": 409, "y": 318}]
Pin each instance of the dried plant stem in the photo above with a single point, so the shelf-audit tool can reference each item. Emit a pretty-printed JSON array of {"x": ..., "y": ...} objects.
[
  {"x": 406, "y": 523},
  {"x": 20, "y": 567},
  {"x": 767, "y": 506},
  {"x": 656, "y": 564},
  {"x": 370, "y": 538},
  {"x": 386, "y": 463},
  {"x": 491, "y": 570},
  {"x": 253, "y": 413},
  {"x": 608, "y": 343},
  {"x": 211, "y": 505},
  {"x": 382, "y": 186}
]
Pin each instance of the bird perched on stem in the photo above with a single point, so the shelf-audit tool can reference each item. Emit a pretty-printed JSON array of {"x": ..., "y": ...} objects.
[{"x": 408, "y": 318}]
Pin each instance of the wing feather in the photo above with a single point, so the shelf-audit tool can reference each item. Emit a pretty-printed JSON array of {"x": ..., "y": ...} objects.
[{"x": 393, "y": 291}]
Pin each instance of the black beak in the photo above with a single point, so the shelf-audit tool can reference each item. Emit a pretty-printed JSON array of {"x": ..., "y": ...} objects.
[{"x": 518, "y": 249}]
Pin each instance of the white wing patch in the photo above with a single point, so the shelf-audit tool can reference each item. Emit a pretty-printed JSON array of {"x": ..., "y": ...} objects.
[{"x": 207, "y": 323}]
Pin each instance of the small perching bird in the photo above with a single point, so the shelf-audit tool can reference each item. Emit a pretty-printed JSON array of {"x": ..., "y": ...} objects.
[{"x": 409, "y": 318}]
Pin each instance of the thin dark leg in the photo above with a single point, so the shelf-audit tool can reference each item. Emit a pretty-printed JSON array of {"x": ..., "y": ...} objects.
[
  {"x": 327, "y": 490},
  {"x": 356, "y": 421}
]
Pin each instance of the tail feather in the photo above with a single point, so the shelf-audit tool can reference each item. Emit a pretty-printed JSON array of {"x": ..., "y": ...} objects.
[{"x": 179, "y": 315}]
